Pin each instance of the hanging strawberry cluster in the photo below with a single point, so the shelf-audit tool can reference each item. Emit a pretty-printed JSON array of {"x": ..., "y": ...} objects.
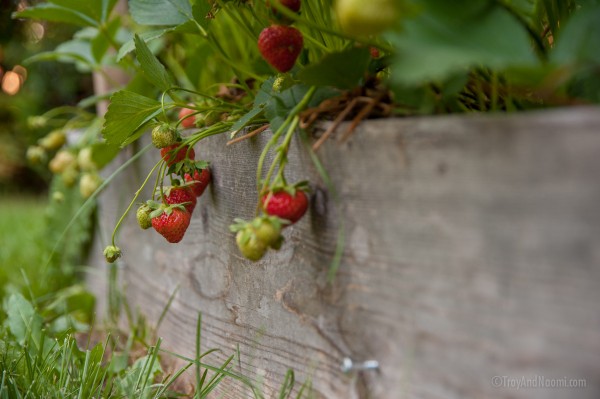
[{"x": 170, "y": 210}]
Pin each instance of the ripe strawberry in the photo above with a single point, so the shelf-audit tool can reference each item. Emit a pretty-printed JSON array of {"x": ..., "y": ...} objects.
[
  {"x": 189, "y": 120},
  {"x": 171, "y": 157},
  {"x": 180, "y": 195},
  {"x": 172, "y": 222},
  {"x": 198, "y": 181},
  {"x": 143, "y": 216},
  {"x": 284, "y": 205},
  {"x": 360, "y": 17},
  {"x": 280, "y": 46},
  {"x": 164, "y": 135}
]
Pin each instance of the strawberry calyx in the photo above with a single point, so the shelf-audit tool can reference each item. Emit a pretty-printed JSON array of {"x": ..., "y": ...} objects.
[
  {"x": 168, "y": 209},
  {"x": 188, "y": 165},
  {"x": 281, "y": 186}
]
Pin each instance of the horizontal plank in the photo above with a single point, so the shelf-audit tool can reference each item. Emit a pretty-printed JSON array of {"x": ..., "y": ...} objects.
[{"x": 472, "y": 251}]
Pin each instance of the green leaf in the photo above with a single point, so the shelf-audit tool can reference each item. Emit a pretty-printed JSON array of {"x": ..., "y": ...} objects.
[
  {"x": 148, "y": 36},
  {"x": 344, "y": 69},
  {"x": 75, "y": 51},
  {"x": 154, "y": 71},
  {"x": 279, "y": 105},
  {"x": 244, "y": 120},
  {"x": 91, "y": 9},
  {"x": 127, "y": 114},
  {"x": 101, "y": 43},
  {"x": 22, "y": 319},
  {"x": 106, "y": 8},
  {"x": 200, "y": 10},
  {"x": 103, "y": 153},
  {"x": 579, "y": 39},
  {"x": 449, "y": 37},
  {"x": 160, "y": 12},
  {"x": 55, "y": 13}
]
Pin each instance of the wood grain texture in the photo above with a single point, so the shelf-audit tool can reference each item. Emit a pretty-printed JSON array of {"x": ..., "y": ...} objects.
[{"x": 472, "y": 251}]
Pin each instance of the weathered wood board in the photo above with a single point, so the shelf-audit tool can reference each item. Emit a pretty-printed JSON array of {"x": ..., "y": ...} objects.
[{"x": 472, "y": 251}]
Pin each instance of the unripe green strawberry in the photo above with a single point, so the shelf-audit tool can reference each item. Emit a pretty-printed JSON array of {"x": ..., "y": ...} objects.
[
  {"x": 164, "y": 135},
  {"x": 36, "y": 122},
  {"x": 62, "y": 161},
  {"x": 360, "y": 17},
  {"x": 250, "y": 245},
  {"x": 85, "y": 160},
  {"x": 112, "y": 253},
  {"x": 58, "y": 197},
  {"x": 88, "y": 184},
  {"x": 54, "y": 140},
  {"x": 267, "y": 230},
  {"x": 143, "y": 216},
  {"x": 69, "y": 175},
  {"x": 36, "y": 155}
]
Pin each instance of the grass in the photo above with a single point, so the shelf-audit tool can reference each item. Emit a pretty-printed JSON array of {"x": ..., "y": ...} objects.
[
  {"x": 21, "y": 240},
  {"x": 49, "y": 347}
]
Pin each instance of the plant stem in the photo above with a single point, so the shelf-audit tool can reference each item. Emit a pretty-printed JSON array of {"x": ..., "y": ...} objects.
[{"x": 137, "y": 194}]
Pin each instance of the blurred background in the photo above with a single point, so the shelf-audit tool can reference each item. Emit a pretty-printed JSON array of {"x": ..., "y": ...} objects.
[{"x": 28, "y": 90}]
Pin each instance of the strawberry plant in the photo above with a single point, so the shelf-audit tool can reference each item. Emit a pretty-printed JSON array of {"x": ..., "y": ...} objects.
[{"x": 245, "y": 68}]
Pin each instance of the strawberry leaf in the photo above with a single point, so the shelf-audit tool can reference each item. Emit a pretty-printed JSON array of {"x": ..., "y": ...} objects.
[
  {"x": 447, "y": 37},
  {"x": 344, "y": 70},
  {"x": 160, "y": 12},
  {"x": 148, "y": 36},
  {"x": 103, "y": 153},
  {"x": 154, "y": 71},
  {"x": 128, "y": 113}
]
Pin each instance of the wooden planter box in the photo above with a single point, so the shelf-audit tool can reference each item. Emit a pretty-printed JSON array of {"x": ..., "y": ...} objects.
[{"x": 472, "y": 251}]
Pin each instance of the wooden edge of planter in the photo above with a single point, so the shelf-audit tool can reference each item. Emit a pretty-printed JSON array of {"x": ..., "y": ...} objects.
[{"x": 472, "y": 251}]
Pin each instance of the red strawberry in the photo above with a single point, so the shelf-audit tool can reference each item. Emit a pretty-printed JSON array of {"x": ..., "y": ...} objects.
[
  {"x": 171, "y": 157},
  {"x": 172, "y": 223},
  {"x": 280, "y": 46},
  {"x": 285, "y": 205},
  {"x": 189, "y": 121},
  {"x": 198, "y": 181},
  {"x": 180, "y": 194}
]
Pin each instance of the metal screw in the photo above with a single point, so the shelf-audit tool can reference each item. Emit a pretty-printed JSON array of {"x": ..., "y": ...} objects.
[{"x": 348, "y": 365}]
